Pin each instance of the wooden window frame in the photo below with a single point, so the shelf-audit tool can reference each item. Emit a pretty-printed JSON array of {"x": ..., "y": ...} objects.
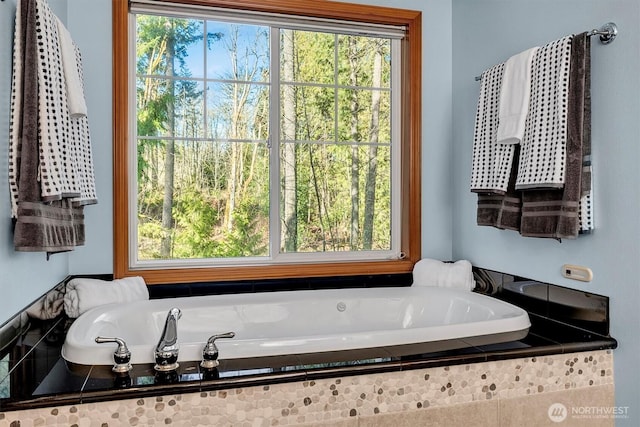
[{"x": 411, "y": 144}]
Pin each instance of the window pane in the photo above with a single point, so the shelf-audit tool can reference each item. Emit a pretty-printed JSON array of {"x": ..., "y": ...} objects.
[
  {"x": 237, "y": 52},
  {"x": 169, "y": 46},
  {"x": 218, "y": 200},
  {"x": 334, "y": 196},
  {"x": 168, "y": 107},
  {"x": 238, "y": 111},
  {"x": 365, "y": 116},
  {"x": 308, "y": 113},
  {"x": 364, "y": 61},
  {"x": 337, "y": 207},
  {"x": 307, "y": 57}
]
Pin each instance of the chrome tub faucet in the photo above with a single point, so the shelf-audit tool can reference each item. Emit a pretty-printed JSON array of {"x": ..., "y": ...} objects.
[{"x": 166, "y": 352}]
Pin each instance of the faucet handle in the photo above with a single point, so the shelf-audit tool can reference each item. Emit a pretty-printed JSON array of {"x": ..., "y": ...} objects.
[
  {"x": 210, "y": 351},
  {"x": 122, "y": 355}
]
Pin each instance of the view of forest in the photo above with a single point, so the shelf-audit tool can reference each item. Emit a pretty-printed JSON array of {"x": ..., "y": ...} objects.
[{"x": 206, "y": 96}]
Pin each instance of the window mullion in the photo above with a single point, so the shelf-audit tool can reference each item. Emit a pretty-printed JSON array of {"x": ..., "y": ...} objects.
[
  {"x": 205, "y": 83},
  {"x": 274, "y": 144}
]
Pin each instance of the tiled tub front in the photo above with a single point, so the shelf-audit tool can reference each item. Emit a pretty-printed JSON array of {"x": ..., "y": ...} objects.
[{"x": 505, "y": 393}]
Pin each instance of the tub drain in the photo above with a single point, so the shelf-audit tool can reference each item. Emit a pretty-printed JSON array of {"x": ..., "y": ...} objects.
[{"x": 341, "y": 306}]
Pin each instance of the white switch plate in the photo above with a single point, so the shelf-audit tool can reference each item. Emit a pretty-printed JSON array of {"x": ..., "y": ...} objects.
[{"x": 577, "y": 272}]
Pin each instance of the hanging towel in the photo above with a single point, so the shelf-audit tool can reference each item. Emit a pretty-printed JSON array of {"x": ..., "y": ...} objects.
[
  {"x": 555, "y": 213},
  {"x": 514, "y": 97},
  {"x": 84, "y": 294},
  {"x": 432, "y": 272},
  {"x": 491, "y": 162},
  {"x": 53, "y": 227},
  {"x": 502, "y": 211},
  {"x": 542, "y": 157},
  {"x": 586, "y": 201},
  {"x": 50, "y": 169},
  {"x": 69, "y": 52},
  {"x": 79, "y": 124},
  {"x": 48, "y": 227}
]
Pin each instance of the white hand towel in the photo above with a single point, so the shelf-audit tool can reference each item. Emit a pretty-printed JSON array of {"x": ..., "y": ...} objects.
[
  {"x": 83, "y": 294},
  {"x": 514, "y": 97},
  {"x": 431, "y": 272},
  {"x": 75, "y": 91}
]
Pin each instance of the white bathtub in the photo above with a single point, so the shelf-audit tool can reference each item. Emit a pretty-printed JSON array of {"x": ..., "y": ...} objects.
[{"x": 299, "y": 322}]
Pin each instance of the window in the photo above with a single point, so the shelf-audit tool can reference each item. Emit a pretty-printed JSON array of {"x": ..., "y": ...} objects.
[{"x": 265, "y": 143}]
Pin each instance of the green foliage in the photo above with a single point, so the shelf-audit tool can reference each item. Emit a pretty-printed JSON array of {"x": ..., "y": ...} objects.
[{"x": 198, "y": 232}]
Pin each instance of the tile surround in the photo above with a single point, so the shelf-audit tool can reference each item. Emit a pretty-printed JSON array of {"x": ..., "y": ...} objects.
[{"x": 500, "y": 393}]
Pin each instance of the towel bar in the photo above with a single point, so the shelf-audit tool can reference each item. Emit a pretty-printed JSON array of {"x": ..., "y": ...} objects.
[{"x": 607, "y": 33}]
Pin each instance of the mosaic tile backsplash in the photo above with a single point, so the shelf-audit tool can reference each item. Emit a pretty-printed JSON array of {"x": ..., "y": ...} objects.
[{"x": 333, "y": 401}]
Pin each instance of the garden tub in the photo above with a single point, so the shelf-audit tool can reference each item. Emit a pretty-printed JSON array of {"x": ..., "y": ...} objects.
[{"x": 416, "y": 318}]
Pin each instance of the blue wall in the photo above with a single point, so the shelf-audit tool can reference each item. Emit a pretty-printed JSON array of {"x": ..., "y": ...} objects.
[{"x": 490, "y": 31}]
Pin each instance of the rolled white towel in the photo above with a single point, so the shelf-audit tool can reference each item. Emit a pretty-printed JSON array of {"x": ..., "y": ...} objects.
[
  {"x": 432, "y": 272},
  {"x": 83, "y": 294}
]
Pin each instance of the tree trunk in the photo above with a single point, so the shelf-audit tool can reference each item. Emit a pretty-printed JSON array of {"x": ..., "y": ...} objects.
[
  {"x": 240, "y": 94},
  {"x": 289, "y": 196},
  {"x": 370, "y": 185},
  {"x": 167, "y": 202}
]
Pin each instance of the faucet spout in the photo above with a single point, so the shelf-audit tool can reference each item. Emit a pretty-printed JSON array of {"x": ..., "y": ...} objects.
[{"x": 166, "y": 352}]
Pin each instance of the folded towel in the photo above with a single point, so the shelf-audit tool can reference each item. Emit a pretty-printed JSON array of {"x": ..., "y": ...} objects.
[
  {"x": 69, "y": 52},
  {"x": 83, "y": 294},
  {"x": 514, "y": 97},
  {"x": 431, "y": 272},
  {"x": 542, "y": 157},
  {"x": 491, "y": 162}
]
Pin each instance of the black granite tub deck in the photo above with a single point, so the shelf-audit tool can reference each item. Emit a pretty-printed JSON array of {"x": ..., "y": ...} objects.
[{"x": 34, "y": 375}]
